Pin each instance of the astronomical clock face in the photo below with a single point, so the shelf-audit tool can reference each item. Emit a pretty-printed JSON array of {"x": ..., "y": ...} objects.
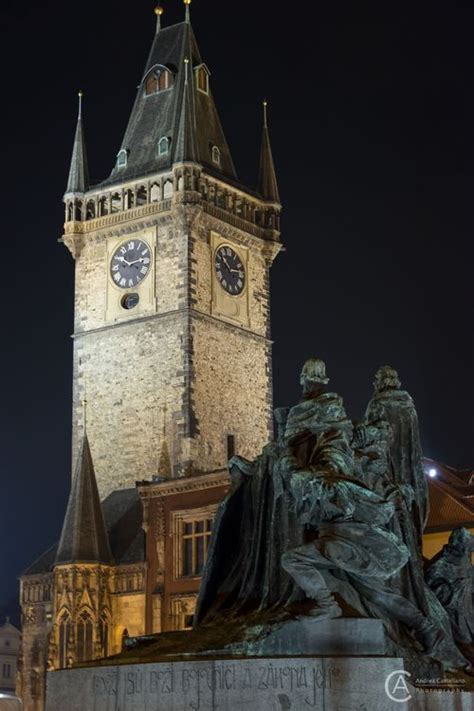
[
  {"x": 230, "y": 271},
  {"x": 130, "y": 263}
]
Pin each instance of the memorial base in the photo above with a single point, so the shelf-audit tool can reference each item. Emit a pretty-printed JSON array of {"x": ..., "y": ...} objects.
[{"x": 253, "y": 684}]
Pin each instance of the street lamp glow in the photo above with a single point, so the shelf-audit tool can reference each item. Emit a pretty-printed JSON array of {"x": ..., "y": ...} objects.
[{"x": 432, "y": 473}]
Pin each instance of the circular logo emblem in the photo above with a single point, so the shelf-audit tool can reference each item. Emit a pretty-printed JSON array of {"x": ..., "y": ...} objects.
[{"x": 396, "y": 686}]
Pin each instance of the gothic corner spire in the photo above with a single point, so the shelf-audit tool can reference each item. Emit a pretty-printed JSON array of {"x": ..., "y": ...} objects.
[
  {"x": 267, "y": 181},
  {"x": 78, "y": 181},
  {"x": 84, "y": 536}
]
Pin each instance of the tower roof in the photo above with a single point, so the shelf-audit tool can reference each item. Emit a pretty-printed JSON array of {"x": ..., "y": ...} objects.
[
  {"x": 84, "y": 537},
  {"x": 181, "y": 112},
  {"x": 267, "y": 182},
  {"x": 78, "y": 181}
]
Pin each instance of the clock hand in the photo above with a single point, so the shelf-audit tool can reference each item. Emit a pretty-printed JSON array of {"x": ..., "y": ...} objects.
[{"x": 226, "y": 263}]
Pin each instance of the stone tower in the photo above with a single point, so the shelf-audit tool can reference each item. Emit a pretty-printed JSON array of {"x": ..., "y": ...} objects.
[{"x": 172, "y": 257}]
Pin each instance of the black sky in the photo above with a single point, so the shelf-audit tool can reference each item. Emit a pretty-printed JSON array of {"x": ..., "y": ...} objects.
[{"x": 372, "y": 124}]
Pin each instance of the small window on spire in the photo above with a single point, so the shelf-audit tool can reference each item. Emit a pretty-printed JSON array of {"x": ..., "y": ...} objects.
[
  {"x": 122, "y": 159},
  {"x": 159, "y": 79},
  {"x": 202, "y": 78},
  {"x": 163, "y": 146},
  {"x": 216, "y": 155}
]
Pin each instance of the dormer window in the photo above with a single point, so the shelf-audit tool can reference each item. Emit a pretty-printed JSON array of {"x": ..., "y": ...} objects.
[
  {"x": 163, "y": 146},
  {"x": 159, "y": 79},
  {"x": 122, "y": 159},
  {"x": 216, "y": 155},
  {"x": 202, "y": 78}
]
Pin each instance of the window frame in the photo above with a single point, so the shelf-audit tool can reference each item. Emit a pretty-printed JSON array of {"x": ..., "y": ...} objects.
[
  {"x": 157, "y": 71},
  {"x": 162, "y": 141},
  {"x": 216, "y": 151},
  {"x": 179, "y": 521},
  {"x": 122, "y": 152},
  {"x": 199, "y": 71}
]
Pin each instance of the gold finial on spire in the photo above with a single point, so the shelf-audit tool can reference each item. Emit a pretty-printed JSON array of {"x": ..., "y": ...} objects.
[
  {"x": 265, "y": 104},
  {"x": 80, "y": 94},
  {"x": 159, "y": 10},
  {"x": 188, "y": 16}
]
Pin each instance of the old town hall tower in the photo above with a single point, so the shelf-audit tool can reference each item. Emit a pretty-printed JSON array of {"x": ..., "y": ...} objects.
[
  {"x": 172, "y": 254},
  {"x": 172, "y": 353}
]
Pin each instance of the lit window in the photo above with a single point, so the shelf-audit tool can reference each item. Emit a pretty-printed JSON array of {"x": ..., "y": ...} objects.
[
  {"x": 216, "y": 155},
  {"x": 195, "y": 543},
  {"x": 64, "y": 641},
  {"x": 163, "y": 146},
  {"x": 158, "y": 79},
  {"x": 7, "y": 671},
  {"x": 202, "y": 79},
  {"x": 122, "y": 159},
  {"x": 84, "y": 638}
]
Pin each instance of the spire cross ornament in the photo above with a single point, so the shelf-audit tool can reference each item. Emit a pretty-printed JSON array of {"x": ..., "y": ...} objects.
[
  {"x": 80, "y": 95},
  {"x": 265, "y": 104}
]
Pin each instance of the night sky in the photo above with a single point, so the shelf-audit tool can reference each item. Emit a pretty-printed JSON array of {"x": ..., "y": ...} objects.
[{"x": 372, "y": 126}]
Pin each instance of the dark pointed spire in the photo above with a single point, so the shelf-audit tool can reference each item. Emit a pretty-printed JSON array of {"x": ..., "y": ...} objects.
[
  {"x": 161, "y": 113},
  {"x": 185, "y": 148},
  {"x": 267, "y": 182},
  {"x": 78, "y": 181},
  {"x": 84, "y": 537}
]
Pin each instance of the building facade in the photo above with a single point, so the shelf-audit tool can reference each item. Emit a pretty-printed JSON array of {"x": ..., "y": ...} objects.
[
  {"x": 172, "y": 354},
  {"x": 10, "y": 639}
]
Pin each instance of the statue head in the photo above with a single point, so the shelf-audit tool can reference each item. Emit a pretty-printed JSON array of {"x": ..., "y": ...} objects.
[
  {"x": 461, "y": 540},
  {"x": 313, "y": 376},
  {"x": 386, "y": 378}
]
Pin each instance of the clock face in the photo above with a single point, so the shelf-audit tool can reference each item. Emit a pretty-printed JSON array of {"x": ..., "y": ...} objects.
[
  {"x": 229, "y": 270},
  {"x": 130, "y": 263}
]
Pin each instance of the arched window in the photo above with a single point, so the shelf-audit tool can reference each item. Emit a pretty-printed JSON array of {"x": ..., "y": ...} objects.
[
  {"x": 125, "y": 636},
  {"x": 202, "y": 79},
  {"x": 157, "y": 80},
  {"x": 122, "y": 158},
  {"x": 64, "y": 640},
  {"x": 85, "y": 634},
  {"x": 216, "y": 155},
  {"x": 163, "y": 146}
]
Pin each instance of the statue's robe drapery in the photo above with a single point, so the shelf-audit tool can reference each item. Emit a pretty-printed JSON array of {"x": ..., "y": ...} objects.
[
  {"x": 399, "y": 411},
  {"x": 253, "y": 527},
  {"x": 376, "y": 467},
  {"x": 450, "y": 577},
  {"x": 359, "y": 557}
]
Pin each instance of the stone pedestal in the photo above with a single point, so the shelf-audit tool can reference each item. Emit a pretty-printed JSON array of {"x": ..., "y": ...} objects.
[{"x": 257, "y": 684}]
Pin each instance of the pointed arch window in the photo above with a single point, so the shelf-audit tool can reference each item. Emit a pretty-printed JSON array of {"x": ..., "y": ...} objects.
[
  {"x": 163, "y": 146},
  {"x": 85, "y": 636},
  {"x": 64, "y": 640},
  {"x": 122, "y": 158},
  {"x": 216, "y": 155},
  {"x": 159, "y": 79},
  {"x": 202, "y": 78}
]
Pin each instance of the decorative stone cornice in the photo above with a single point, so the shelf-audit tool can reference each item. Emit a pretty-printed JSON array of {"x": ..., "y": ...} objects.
[{"x": 201, "y": 482}]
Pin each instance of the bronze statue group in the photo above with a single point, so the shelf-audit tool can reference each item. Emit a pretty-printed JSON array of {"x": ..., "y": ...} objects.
[{"x": 333, "y": 512}]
